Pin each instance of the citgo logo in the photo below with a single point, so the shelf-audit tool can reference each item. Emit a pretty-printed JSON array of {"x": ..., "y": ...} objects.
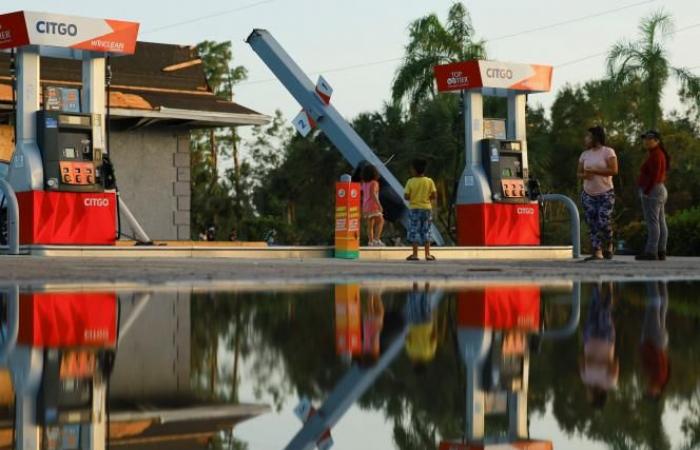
[
  {"x": 93, "y": 335},
  {"x": 96, "y": 202},
  {"x": 341, "y": 193},
  {"x": 499, "y": 73},
  {"x": 353, "y": 193},
  {"x": 61, "y": 29},
  {"x": 524, "y": 211}
]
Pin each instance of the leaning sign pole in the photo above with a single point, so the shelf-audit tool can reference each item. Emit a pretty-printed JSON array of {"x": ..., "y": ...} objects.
[{"x": 323, "y": 114}]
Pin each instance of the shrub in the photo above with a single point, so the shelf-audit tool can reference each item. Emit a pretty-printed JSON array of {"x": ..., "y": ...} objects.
[{"x": 683, "y": 229}]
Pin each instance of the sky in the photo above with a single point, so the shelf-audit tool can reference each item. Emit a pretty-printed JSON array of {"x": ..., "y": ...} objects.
[{"x": 363, "y": 34}]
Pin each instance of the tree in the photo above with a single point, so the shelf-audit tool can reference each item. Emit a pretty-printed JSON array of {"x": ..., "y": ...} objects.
[
  {"x": 215, "y": 201},
  {"x": 432, "y": 43},
  {"x": 646, "y": 61}
]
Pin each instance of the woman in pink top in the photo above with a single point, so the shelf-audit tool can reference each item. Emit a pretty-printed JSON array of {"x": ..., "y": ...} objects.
[
  {"x": 371, "y": 207},
  {"x": 596, "y": 167}
]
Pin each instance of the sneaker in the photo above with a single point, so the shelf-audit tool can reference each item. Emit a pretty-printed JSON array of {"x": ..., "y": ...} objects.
[
  {"x": 379, "y": 243},
  {"x": 646, "y": 257},
  {"x": 662, "y": 256}
]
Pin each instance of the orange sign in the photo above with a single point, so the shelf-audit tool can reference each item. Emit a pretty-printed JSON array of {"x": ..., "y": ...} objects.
[
  {"x": 22, "y": 28},
  {"x": 348, "y": 331},
  {"x": 347, "y": 220}
]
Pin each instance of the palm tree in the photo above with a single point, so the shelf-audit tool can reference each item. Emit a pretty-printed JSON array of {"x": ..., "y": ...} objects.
[
  {"x": 432, "y": 43},
  {"x": 646, "y": 61}
]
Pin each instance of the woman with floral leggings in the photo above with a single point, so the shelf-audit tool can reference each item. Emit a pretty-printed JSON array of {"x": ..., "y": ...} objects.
[{"x": 596, "y": 167}]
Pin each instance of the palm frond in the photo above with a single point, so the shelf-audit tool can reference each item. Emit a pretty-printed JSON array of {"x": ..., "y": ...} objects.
[
  {"x": 690, "y": 86},
  {"x": 622, "y": 55},
  {"x": 408, "y": 80},
  {"x": 658, "y": 23}
]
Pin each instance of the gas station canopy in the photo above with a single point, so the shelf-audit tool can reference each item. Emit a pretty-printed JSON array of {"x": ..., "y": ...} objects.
[
  {"x": 22, "y": 28},
  {"x": 493, "y": 77}
]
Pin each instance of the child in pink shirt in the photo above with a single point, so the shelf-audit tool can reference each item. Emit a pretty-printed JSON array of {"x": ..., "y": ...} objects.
[{"x": 372, "y": 209}]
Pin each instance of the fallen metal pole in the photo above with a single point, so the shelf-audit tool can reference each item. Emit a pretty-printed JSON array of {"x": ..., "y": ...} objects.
[{"x": 133, "y": 223}]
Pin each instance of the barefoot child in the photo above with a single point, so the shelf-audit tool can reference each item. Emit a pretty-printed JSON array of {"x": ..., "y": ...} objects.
[
  {"x": 371, "y": 207},
  {"x": 420, "y": 192}
]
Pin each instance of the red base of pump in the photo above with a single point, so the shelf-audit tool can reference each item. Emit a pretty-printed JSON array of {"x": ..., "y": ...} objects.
[
  {"x": 493, "y": 224},
  {"x": 67, "y": 218},
  {"x": 68, "y": 319},
  {"x": 507, "y": 307}
]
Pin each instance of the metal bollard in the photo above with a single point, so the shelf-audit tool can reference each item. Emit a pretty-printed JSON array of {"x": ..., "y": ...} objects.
[
  {"x": 574, "y": 217},
  {"x": 12, "y": 217}
]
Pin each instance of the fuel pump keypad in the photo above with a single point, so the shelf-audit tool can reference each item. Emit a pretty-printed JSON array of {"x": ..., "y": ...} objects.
[{"x": 77, "y": 172}]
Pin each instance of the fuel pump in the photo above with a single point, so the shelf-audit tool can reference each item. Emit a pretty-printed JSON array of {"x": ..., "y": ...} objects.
[
  {"x": 495, "y": 201},
  {"x": 59, "y": 355},
  {"x": 57, "y": 166},
  {"x": 497, "y": 326}
]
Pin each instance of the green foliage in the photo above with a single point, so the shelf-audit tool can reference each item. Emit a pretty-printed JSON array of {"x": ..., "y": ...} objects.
[
  {"x": 432, "y": 42},
  {"x": 646, "y": 61}
]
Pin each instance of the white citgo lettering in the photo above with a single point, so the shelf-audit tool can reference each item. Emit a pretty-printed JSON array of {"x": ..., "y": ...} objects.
[
  {"x": 526, "y": 211},
  {"x": 96, "y": 202}
]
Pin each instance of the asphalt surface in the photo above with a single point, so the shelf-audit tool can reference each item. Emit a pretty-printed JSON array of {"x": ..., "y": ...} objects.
[{"x": 34, "y": 270}]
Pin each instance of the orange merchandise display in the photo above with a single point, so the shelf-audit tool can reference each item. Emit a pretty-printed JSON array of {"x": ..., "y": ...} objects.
[{"x": 347, "y": 220}]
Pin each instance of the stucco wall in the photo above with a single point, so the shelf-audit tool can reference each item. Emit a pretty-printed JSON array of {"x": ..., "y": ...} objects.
[{"x": 153, "y": 174}]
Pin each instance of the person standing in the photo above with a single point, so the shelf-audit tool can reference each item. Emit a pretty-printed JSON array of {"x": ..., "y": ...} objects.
[
  {"x": 420, "y": 192},
  {"x": 596, "y": 168},
  {"x": 653, "y": 194},
  {"x": 371, "y": 206}
]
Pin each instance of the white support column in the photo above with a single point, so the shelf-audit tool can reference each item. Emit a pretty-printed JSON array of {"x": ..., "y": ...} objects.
[
  {"x": 27, "y": 366},
  {"x": 93, "y": 96},
  {"x": 26, "y": 171},
  {"x": 98, "y": 426},
  {"x": 473, "y": 184},
  {"x": 517, "y": 123},
  {"x": 474, "y": 347},
  {"x": 517, "y": 404}
]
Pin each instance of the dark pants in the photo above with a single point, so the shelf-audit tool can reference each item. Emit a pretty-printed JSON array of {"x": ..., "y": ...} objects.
[
  {"x": 597, "y": 211},
  {"x": 653, "y": 207}
]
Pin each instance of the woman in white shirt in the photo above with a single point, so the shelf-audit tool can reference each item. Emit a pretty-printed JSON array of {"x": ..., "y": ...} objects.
[{"x": 596, "y": 167}]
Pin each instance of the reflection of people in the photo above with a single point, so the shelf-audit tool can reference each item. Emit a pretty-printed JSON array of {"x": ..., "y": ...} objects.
[
  {"x": 421, "y": 342},
  {"x": 233, "y": 235},
  {"x": 596, "y": 168},
  {"x": 654, "y": 342},
  {"x": 372, "y": 324},
  {"x": 599, "y": 366}
]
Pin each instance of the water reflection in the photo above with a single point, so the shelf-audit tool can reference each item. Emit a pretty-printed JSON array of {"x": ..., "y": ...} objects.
[
  {"x": 84, "y": 368},
  {"x": 376, "y": 366}
]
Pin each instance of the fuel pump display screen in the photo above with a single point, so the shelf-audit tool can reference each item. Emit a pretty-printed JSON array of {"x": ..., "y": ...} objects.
[{"x": 507, "y": 173}]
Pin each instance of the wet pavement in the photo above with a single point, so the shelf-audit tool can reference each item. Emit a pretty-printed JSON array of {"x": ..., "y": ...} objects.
[{"x": 27, "y": 269}]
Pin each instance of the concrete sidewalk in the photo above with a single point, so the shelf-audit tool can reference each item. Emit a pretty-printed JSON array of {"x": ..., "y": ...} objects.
[{"x": 40, "y": 270}]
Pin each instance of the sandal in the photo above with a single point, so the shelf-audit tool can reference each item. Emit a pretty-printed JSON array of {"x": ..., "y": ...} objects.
[
  {"x": 430, "y": 258},
  {"x": 412, "y": 258}
]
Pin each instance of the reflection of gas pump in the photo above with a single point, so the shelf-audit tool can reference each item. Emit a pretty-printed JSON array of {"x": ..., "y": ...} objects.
[
  {"x": 60, "y": 358},
  {"x": 496, "y": 324},
  {"x": 494, "y": 203},
  {"x": 58, "y": 167}
]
